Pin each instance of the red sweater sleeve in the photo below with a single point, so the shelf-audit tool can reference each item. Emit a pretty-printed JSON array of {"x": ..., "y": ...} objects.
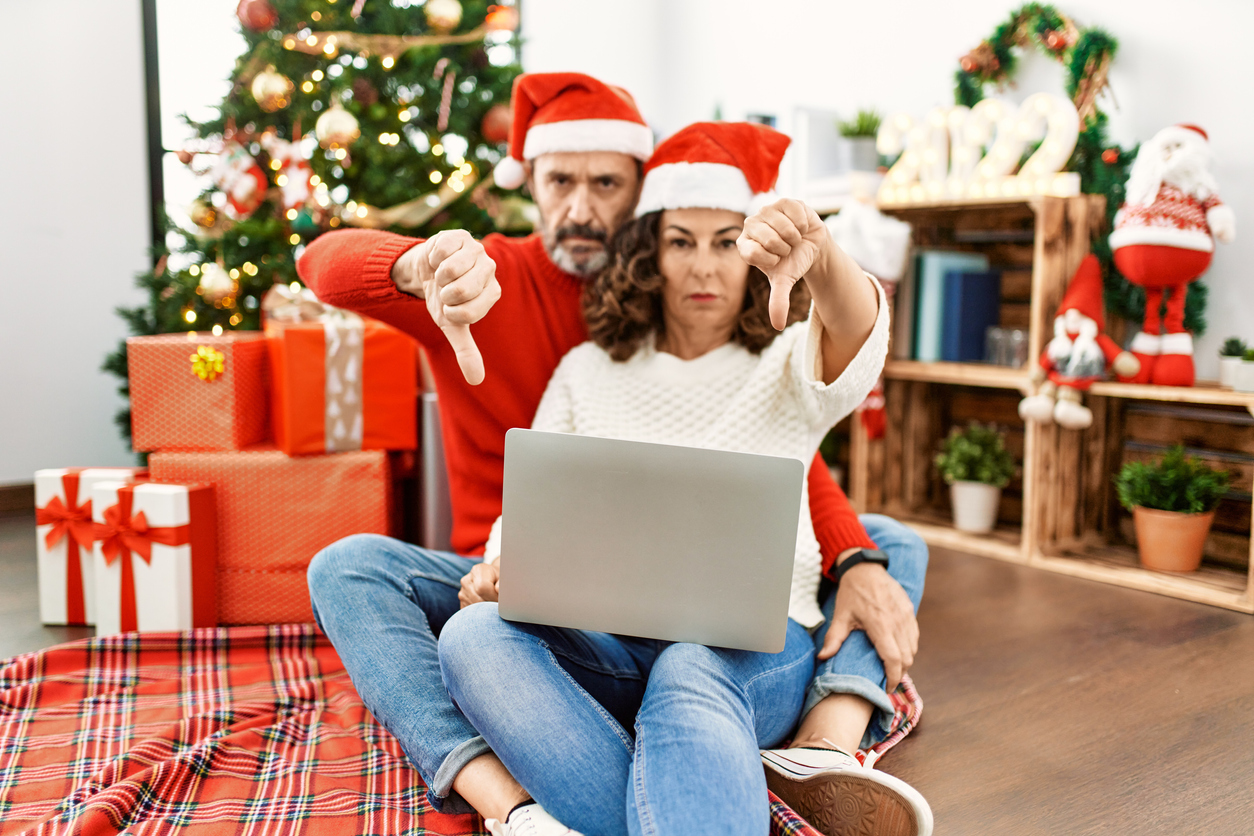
[
  {"x": 352, "y": 269},
  {"x": 836, "y": 525}
]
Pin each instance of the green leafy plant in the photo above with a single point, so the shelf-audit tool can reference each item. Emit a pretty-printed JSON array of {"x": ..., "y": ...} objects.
[
  {"x": 866, "y": 123},
  {"x": 976, "y": 454},
  {"x": 1233, "y": 347},
  {"x": 1248, "y": 355},
  {"x": 1175, "y": 482}
]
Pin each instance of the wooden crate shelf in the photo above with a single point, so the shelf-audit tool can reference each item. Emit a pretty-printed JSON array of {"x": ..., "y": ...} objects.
[{"x": 1061, "y": 513}]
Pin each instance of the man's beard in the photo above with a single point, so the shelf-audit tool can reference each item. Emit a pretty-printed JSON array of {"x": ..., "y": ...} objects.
[{"x": 591, "y": 264}]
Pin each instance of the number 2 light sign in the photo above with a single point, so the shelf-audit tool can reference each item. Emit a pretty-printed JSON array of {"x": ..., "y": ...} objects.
[{"x": 959, "y": 154}]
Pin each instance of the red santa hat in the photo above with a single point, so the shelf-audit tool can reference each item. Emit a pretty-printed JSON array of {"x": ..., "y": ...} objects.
[
  {"x": 1084, "y": 293},
  {"x": 714, "y": 165},
  {"x": 556, "y": 112}
]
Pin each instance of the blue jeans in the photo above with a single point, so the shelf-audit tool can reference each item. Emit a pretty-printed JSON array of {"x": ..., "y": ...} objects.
[
  {"x": 856, "y": 668},
  {"x": 382, "y": 603},
  {"x": 556, "y": 706}
]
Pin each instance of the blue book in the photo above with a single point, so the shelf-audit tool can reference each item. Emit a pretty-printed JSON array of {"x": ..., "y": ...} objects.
[
  {"x": 930, "y": 296},
  {"x": 972, "y": 306}
]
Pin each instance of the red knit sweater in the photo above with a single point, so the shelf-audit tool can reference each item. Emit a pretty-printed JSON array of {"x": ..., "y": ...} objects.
[{"x": 522, "y": 339}]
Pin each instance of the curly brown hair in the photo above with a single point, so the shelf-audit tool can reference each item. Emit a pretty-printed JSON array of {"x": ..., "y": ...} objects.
[{"x": 623, "y": 305}]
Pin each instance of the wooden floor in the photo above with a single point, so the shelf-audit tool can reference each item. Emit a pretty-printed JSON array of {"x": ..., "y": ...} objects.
[{"x": 1054, "y": 706}]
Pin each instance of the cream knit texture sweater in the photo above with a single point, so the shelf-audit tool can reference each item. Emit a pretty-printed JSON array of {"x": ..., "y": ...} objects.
[{"x": 774, "y": 403}]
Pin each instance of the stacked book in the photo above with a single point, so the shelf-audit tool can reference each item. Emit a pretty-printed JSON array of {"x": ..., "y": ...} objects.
[{"x": 946, "y": 306}]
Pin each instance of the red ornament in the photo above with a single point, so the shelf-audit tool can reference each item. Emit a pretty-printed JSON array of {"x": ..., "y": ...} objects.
[
  {"x": 501, "y": 19},
  {"x": 257, "y": 15},
  {"x": 1055, "y": 41},
  {"x": 1110, "y": 156},
  {"x": 495, "y": 125}
]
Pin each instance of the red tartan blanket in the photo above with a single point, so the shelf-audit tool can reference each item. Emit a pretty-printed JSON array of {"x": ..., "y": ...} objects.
[{"x": 246, "y": 730}]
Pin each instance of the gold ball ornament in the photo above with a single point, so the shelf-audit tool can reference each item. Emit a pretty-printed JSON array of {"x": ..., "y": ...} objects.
[
  {"x": 215, "y": 283},
  {"x": 202, "y": 214},
  {"x": 501, "y": 19},
  {"x": 337, "y": 128},
  {"x": 272, "y": 90},
  {"x": 443, "y": 15}
]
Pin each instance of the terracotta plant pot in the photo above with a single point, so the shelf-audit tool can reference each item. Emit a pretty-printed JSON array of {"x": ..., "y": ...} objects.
[
  {"x": 1170, "y": 541},
  {"x": 975, "y": 506}
]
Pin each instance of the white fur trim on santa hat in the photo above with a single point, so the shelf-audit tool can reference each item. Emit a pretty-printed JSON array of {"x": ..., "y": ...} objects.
[
  {"x": 695, "y": 186},
  {"x": 509, "y": 173},
  {"x": 618, "y": 135}
]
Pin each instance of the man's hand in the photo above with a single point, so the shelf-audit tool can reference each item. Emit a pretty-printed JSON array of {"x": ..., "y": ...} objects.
[
  {"x": 869, "y": 599},
  {"x": 480, "y": 584},
  {"x": 783, "y": 240},
  {"x": 454, "y": 274}
]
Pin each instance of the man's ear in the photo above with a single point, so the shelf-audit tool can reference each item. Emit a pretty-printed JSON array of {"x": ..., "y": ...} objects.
[{"x": 527, "y": 186}]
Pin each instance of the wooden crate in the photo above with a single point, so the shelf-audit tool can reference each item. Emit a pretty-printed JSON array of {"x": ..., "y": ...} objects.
[{"x": 1061, "y": 514}]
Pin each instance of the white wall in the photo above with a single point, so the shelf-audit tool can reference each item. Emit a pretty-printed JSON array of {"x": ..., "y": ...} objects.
[
  {"x": 1190, "y": 62},
  {"x": 73, "y": 227}
]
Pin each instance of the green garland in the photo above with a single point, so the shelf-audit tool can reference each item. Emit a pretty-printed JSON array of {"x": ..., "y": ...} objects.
[{"x": 1103, "y": 168}]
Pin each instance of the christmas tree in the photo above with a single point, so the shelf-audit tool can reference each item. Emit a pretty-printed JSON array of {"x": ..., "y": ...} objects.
[{"x": 386, "y": 114}]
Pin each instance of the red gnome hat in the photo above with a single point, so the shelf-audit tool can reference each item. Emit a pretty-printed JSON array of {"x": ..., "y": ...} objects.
[
  {"x": 556, "y": 112},
  {"x": 1084, "y": 293},
  {"x": 714, "y": 165}
]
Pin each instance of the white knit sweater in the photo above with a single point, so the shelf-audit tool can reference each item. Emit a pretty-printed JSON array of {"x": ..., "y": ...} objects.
[{"x": 774, "y": 403}]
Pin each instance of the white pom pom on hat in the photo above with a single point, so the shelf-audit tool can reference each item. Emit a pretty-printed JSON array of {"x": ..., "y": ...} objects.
[{"x": 559, "y": 112}]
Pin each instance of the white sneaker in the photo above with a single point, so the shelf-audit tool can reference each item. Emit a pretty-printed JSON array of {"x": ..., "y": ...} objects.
[
  {"x": 841, "y": 797},
  {"x": 529, "y": 820}
]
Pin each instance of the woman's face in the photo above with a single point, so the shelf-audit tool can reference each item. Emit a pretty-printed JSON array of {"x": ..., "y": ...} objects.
[{"x": 705, "y": 275}]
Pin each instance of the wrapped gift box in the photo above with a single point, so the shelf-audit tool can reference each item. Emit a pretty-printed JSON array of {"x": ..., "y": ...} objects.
[
  {"x": 154, "y": 557},
  {"x": 198, "y": 391},
  {"x": 63, "y": 525},
  {"x": 275, "y": 512},
  {"x": 339, "y": 381}
]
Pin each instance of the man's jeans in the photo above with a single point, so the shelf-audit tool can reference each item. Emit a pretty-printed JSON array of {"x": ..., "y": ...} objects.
[{"x": 383, "y": 603}]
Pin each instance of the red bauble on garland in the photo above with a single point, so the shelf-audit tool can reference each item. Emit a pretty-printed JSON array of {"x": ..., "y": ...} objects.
[
  {"x": 1110, "y": 156},
  {"x": 257, "y": 15},
  {"x": 495, "y": 125}
]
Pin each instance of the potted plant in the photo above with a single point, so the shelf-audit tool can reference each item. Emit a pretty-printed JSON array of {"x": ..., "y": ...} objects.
[
  {"x": 1173, "y": 502},
  {"x": 861, "y": 132},
  {"x": 976, "y": 465},
  {"x": 1245, "y": 372},
  {"x": 1231, "y": 356}
]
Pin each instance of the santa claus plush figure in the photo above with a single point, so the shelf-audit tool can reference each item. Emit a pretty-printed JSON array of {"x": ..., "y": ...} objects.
[
  {"x": 1164, "y": 238},
  {"x": 1079, "y": 354}
]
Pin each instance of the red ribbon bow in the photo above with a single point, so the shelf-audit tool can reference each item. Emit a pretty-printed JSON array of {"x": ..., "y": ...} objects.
[
  {"x": 68, "y": 517},
  {"x": 122, "y": 535}
]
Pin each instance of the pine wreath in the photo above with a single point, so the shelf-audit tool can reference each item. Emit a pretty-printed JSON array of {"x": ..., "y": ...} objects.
[{"x": 1086, "y": 55}]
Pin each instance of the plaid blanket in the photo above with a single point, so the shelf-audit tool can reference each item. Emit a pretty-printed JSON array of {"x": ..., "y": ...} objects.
[{"x": 244, "y": 731}]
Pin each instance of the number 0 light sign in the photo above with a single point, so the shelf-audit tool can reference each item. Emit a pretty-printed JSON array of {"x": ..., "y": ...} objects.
[{"x": 971, "y": 153}]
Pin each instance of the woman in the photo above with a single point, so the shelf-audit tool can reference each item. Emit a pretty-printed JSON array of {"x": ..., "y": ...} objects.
[{"x": 684, "y": 350}]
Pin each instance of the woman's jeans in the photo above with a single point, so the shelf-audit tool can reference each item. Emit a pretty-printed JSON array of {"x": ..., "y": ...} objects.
[
  {"x": 556, "y": 706},
  {"x": 383, "y": 603}
]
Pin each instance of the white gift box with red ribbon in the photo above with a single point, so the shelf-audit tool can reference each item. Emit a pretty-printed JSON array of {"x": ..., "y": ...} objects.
[
  {"x": 64, "y": 535},
  {"x": 154, "y": 557}
]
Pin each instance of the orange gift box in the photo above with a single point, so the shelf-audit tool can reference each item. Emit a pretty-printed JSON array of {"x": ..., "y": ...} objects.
[
  {"x": 339, "y": 381},
  {"x": 274, "y": 513},
  {"x": 198, "y": 391}
]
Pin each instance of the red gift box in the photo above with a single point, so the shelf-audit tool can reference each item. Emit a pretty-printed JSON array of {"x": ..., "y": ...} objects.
[
  {"x": 275, "y": 512},
  {"x": 339, "y": 381},
  {"x": 198, "y": 391}
]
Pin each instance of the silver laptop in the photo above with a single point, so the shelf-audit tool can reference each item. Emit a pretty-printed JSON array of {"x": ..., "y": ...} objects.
[{"x": 648, "y": 540}]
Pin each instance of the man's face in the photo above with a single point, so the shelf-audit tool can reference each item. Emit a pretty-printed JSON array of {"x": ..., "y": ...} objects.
[{"x": 583, "y": 198}]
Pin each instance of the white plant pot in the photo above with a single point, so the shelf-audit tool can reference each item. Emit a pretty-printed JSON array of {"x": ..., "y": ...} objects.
[
  {"x": 975, "y": 506},
  {"x": 1228, "y": 369},
  {"x": 1245, "y": 377}
]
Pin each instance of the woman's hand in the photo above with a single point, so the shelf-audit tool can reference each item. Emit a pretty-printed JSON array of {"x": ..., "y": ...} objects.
[
  {"x": 480, "y": 584},
  {"x": 870, "y": 599},
  {"x": 783, "y": 240}
]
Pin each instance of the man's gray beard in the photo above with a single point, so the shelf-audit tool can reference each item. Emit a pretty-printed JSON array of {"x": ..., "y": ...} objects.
[{"x": 589, "y": 269}]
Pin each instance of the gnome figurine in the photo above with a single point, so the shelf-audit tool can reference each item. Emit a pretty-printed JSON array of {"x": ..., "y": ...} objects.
[
  {"x": 1164, "y": 238},
  {"x": 1079, "y": 354}
]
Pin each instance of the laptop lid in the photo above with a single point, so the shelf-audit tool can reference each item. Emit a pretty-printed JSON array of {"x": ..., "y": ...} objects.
[{"x": 649, "y": 540}]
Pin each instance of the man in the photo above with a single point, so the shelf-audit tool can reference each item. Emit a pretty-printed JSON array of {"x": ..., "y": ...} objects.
[{"x": 580, "y": 145}]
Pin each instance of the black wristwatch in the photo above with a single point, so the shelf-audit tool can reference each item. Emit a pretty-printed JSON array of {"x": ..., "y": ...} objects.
[{"x": 861, "y": 556}]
